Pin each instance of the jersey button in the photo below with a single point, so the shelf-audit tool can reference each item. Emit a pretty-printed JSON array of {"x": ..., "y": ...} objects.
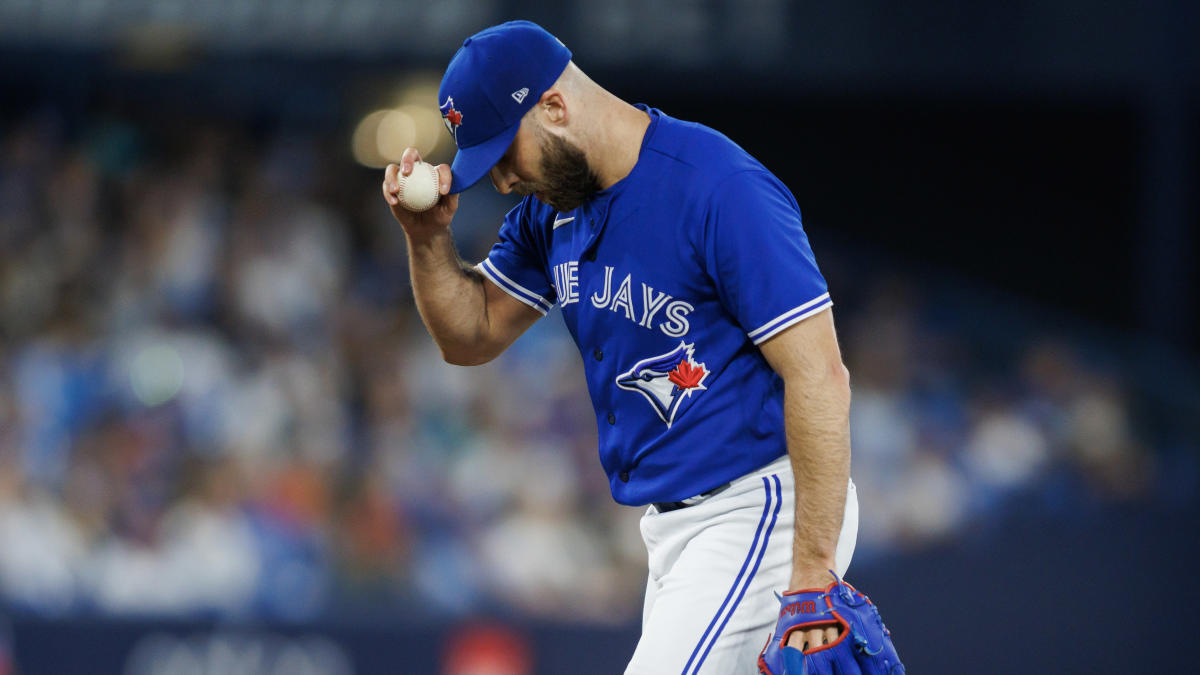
[
  {"x": 612, "y": 419},
  {"x": 598, "y": 354},
  {"x": 624, "y": 476}
]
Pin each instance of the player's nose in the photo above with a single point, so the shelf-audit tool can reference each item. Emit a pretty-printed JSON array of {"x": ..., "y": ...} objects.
[{"x": 502, "y": 180}]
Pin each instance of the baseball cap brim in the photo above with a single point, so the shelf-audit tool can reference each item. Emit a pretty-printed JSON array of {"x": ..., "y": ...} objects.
[{"x": 471, "y": 164}]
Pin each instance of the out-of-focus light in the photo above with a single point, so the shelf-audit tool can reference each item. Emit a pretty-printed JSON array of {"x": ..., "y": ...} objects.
[
  {"x": 364, "y": 142},
  {"x": 156, "y": 374},
  {"x": 397, "y": 131},
  {"x": 421, "y": 90},
  {"x": 430, "y": 131},
  {"x": 412, "y": 120}
]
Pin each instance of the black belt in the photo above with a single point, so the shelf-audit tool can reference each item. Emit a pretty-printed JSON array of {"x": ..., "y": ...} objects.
[{"x": 663, "y": 507}]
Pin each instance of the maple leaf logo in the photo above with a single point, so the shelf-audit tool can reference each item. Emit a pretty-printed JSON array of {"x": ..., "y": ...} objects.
[{"x": 686, "y": 376}]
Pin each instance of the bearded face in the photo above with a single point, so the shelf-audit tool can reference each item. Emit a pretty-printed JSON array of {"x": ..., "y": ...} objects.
[{"x": 567, "y": 179}]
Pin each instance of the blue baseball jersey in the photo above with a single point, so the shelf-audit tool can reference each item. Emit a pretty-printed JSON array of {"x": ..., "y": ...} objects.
[{"x": 668, "y": 281}]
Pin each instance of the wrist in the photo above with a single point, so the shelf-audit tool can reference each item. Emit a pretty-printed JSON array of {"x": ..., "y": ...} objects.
[
  {"x": 809, "y": 576},
  {"x": 427, "y": 238}
]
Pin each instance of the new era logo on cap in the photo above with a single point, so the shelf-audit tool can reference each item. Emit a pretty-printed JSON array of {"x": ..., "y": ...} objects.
[{"x": 520, "y": 94}]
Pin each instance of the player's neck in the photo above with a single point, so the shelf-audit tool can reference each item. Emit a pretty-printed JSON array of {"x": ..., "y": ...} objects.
[{"x": 617, "y": 142}]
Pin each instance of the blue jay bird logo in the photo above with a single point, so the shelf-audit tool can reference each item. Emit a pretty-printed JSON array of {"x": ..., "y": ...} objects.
[
  {"x": 451, "y": 117},
  {"x": 666, "y": 380}
]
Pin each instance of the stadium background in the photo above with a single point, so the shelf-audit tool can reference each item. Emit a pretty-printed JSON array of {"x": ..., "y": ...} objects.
[{"x": 228, "y": 446}]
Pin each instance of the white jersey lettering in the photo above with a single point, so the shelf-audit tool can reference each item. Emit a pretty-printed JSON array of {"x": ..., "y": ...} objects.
[
  {"x": 651, "y": 303},
  {"x": 623, "y": 298},
  {"x": 601, "y": 301},
  {"x": 566, "y": 282},
  {"x": 677, "y": 323}
]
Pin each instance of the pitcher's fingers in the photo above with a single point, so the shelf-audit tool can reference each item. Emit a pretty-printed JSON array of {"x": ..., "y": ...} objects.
[
  {"x": 811, "y": 639},
  {"x": 795, "y": 639},
  {"x": 407, "y": 160},
  {"x": 390, "y": 184},
  {"x": 445, "y": 179},
  {"x": 803, "y": 639}
]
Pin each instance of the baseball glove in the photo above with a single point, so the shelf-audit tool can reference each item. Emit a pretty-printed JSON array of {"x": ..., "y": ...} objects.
[{"x": 863, "y": 646}]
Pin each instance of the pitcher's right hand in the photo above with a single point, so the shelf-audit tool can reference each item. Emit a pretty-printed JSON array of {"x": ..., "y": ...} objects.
[{"x": 425, "y": 223}]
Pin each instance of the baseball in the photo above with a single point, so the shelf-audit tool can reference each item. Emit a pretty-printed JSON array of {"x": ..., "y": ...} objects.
[{"x": 419, "y": 189}]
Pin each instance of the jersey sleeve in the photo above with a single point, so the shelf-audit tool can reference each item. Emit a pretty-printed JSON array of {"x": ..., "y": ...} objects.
[
  {"x": 516, "y": 262},
  {"x": 759, "y": 256}
]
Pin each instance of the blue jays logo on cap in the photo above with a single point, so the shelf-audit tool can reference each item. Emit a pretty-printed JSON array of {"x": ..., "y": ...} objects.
[
  {"x": 451, "y": 117},
  {"x": 666, "y": 380}
]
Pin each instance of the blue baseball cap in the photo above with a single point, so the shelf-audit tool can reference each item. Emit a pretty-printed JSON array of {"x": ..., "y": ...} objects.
[{"x": 495, "y": 78}]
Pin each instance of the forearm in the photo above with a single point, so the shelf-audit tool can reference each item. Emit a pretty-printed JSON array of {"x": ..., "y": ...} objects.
[
  {"x": 817, "y": 418},
  {"x": 450, "y": 298}
]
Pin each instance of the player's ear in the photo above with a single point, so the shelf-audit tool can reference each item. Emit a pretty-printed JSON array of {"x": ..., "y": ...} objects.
[{"x": 552, "y": 108}]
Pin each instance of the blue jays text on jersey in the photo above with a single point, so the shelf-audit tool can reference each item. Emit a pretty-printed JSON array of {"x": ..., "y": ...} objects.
[{"x": 668, "y": 280}]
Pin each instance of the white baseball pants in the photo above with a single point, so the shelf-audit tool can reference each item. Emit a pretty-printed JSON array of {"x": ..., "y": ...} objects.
[{"x": 714, "y": 570}]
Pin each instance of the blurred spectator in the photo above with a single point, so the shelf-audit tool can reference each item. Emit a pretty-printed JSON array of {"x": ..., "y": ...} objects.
[
  {"x": 1004, "y": 451},
  {"x": 1102, "y": 443},
  {"x": 42, "y": 554}
]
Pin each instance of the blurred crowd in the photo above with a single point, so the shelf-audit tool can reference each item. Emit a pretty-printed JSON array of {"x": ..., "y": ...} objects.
[{"x": 216, "y": 399}]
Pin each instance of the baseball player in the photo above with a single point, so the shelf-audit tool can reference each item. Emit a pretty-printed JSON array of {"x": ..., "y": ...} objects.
[{"x": 685, "y": 277}]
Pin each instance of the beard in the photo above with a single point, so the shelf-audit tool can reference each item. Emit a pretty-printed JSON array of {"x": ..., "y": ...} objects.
[{"x": 569, "y": 179}]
